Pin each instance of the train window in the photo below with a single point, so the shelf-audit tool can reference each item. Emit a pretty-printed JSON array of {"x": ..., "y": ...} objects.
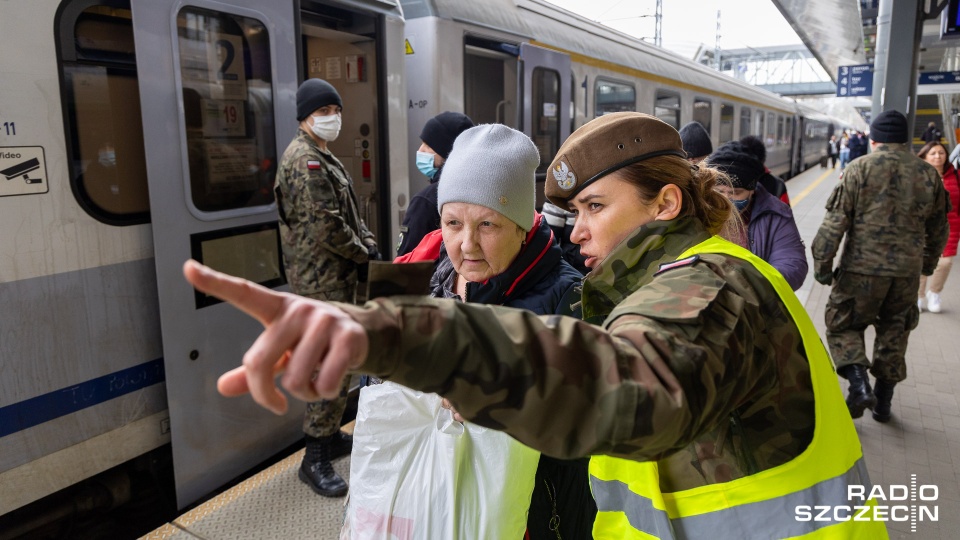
[
  {"x": 744, "y": 121},
  {"x": 227, "y": 90},
  {"x": 573, "y": 102},
  {"x": 546, "y": 115},
  {"x": 104, "y": 132},
  {"x": 788, "y": 132},
  {"x": 614, "y": 97},
  {"x": 703, "y": 113},
  {"x": 770, "y": 138},
  {"x": 780, "y": 139},
  {"x": 726, "y": 122},
  {"x": 667, "y": 108},
  {"x": 759, "y": 132}
]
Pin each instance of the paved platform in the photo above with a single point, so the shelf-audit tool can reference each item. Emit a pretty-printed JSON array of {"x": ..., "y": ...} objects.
[{"x": 923, "y": 439}]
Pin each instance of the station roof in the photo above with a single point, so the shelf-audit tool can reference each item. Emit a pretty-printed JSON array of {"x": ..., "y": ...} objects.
[{"x": 841, "y": 32}]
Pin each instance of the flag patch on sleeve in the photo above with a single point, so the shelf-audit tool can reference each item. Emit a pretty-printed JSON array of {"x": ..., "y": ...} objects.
[
  {"x": 677, "y": 264},
  {"x": 313, "y": 165}
]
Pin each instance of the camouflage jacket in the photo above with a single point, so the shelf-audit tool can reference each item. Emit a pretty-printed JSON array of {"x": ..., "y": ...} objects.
[
  {"x": 321, "y": 233},
  {"x": 892, "y": 207},
  {"x": 698, "y": 367}
]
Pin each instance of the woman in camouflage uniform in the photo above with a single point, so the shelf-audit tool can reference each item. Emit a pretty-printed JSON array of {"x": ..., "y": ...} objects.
[{"x": 701, "y": 389}]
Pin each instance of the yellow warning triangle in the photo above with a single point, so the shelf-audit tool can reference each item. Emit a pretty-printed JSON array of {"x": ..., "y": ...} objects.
[{"x": 409, "y": 49}]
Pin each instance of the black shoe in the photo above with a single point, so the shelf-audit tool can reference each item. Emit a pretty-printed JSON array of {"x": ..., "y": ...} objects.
[
  {"x": 316, "y": 470},
  {"x": 859, "y": 395},
  {"x": 884, "y": 393}
]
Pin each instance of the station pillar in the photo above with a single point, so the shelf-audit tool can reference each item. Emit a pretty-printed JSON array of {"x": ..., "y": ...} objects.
[{"x": 899, "y": 27}]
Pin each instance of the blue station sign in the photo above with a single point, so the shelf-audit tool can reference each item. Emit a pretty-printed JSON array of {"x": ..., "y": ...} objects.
[
  {"x": 940, "y": 77},
  {"x": 853, "y": 81}
]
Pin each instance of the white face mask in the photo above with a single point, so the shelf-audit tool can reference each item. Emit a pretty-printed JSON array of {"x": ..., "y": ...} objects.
[{"x": 326, "y": 127}]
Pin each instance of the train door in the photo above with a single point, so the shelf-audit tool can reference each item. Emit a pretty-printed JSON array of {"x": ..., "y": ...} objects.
[
  {"x": 546, "y": 101},
  {"x": 491, "y": 81},
  {"x": 342, "y": 47},
  {"x": 216, "y": 83}
]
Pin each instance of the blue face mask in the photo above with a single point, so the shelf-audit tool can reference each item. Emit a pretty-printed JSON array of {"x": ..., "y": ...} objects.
[
  {"x": 741, "y": 205},
  {"x": 425, "y": 164}
]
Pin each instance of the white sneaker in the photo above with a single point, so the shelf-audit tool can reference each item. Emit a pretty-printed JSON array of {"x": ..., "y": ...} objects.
[
  {"x": 921, "y": 304},
  {"x": 933, "y": 302}
]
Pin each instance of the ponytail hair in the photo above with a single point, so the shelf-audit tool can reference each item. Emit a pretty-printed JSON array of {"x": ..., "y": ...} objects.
[{"x": 697, "y": 184}]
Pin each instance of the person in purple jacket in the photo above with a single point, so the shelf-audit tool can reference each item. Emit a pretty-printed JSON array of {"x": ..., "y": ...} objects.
[{"x": 769, "y": 230}]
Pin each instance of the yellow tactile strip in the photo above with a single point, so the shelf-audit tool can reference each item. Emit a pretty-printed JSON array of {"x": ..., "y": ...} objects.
[
  {"x": 272, "y": 504},
  {"x": 239, "y": 490}
]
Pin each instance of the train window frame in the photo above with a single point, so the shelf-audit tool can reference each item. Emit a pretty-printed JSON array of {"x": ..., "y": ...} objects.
[
  {"x": 709, "y": 113},
  {"x": 660, "y": 109},
  {"x": 769, "y": 136},
  {"x": 598, "y": 81},
  {"x": 102, "y": 69},
  {"x": 545, "y": 132},
  {"x": 745, "y": 120},
  {"x": 213, "y": 139},
  {"x": 726, "y": 125}
]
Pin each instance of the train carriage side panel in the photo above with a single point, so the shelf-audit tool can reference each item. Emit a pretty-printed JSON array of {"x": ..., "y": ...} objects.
[{"x": 82, "y": 389}]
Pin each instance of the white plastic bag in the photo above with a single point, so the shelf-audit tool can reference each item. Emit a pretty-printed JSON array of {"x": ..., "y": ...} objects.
[{"x": 416, "y": 473}]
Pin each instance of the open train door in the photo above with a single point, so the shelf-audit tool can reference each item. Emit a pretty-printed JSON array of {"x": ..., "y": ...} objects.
[
  {"x": 217, "y": 83},
  {"x": 547, "y": 103}
]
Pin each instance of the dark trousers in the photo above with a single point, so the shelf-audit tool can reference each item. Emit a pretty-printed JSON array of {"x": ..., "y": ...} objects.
[
  {"x": 889, "y": 304},
  {"x": 561, "y": 501}
]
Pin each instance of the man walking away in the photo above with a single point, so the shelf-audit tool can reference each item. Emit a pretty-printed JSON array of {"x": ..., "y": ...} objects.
[{"x": 891, "y": 205}]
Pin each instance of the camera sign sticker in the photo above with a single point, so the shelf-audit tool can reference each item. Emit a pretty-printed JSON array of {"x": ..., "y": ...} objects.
[{"x": 23, "y": 170}]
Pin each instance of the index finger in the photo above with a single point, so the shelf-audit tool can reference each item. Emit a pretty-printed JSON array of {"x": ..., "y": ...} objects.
[{"x": 255, "y": 300}]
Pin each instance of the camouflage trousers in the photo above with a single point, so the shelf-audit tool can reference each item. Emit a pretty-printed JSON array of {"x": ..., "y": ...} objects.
[
  {"x": 323, "y": 417},
  {"x": 889, "y": 304}
]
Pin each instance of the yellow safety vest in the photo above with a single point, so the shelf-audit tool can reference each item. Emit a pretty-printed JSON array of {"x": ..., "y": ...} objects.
[{"x": 762, "y": 505}]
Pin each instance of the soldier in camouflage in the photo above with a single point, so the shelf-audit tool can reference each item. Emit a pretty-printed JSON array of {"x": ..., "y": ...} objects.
[
  {"x": 695, "y": 364},
  {"x": 891, "y": 206},
  {"x": 326, "y": 248}
]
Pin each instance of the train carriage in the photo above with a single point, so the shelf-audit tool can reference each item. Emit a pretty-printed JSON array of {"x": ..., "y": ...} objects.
[
  {"x": 546, "y": 71},
  {"x": 156, "y": 126}
]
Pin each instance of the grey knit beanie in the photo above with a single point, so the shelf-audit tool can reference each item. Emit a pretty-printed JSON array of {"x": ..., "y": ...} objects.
[{"x": 494, "y": 166}]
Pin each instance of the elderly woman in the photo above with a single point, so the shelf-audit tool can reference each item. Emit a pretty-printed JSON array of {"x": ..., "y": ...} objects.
[
  {"x": 705, "y": 397},
  {"x": 494, "y": 248}
]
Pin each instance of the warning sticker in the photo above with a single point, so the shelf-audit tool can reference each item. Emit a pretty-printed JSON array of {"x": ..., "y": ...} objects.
[
  {"x": 408, "y": 48},
  {"x": 23, "y": 170}
]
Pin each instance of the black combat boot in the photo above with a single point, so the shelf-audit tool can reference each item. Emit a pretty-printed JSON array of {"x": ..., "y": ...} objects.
[
  {"x": 859, "y": 396},
  {"x": 316, "y": 470},
  {"x": 341, "y": 444},
  {"x": 884, "y": 393}
]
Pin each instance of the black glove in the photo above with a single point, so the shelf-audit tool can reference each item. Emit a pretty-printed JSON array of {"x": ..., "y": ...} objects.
[
  {"x": 825, "y": 278},
  {"x": 362, "y": 272},
  {"x": 372, "y": 253}
]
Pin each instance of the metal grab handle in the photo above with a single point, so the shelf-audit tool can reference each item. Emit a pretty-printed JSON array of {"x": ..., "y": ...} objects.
[{"x": 500, "y": 106}]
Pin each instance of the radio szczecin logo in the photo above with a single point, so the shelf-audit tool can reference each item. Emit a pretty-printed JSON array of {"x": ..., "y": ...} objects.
[{"x": 897, "y": 502}]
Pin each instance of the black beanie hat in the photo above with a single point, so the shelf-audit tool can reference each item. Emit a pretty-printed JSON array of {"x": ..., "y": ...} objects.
[
  {"x": 743, "y": 168},
  {"x": 755, "y": 146},
  {"x": 313, "y": 94},
  {"x": 440, "y": 131},
  {"x": 696, "y": 140},
  {"x": 889, "y": 127}
]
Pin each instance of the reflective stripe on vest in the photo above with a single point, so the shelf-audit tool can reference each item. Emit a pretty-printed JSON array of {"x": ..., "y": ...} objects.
[{"x": 761, "y": 505}]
